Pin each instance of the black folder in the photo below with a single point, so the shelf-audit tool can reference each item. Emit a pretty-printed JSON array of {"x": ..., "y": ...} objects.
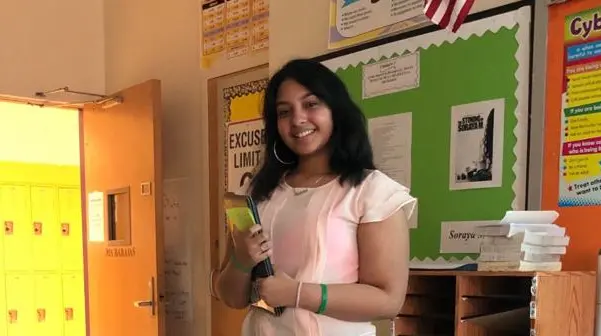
[{"x": 263, "y": 269}]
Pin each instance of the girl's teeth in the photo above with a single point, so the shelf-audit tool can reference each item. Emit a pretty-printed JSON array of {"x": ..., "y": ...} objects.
[{"x": 304, "y": 134}]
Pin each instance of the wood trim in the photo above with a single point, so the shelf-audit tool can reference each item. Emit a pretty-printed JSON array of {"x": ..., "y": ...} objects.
[
  {"x": 224, "y": 321},
  {"x": 84, "y": 222},
  {"x": 214, "y": 160}
]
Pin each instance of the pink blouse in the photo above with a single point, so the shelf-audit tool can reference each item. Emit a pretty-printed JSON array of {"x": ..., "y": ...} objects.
[{"x": 315, "y": 240}]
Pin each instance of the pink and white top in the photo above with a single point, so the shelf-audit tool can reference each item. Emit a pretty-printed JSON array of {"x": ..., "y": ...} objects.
[{"x": 315, "y": 241}]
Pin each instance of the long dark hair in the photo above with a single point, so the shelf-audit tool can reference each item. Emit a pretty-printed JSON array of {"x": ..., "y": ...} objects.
[{"x": 350, "y": 150}]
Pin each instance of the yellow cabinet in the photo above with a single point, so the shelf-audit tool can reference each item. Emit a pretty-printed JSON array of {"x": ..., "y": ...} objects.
[
  {"x": 16, "y": 223},
  {"x": 20, "y": 312},
  {"x": 71, "y": 240},
  {"x": 41, "y": 255},
  {"x": 74, "y": 305},
  {"x": 5, "y": 226},
  {"x": 48, "y": 304},
  {"x": 45, "y": 228},
  {"x": 3, "y": 311}
]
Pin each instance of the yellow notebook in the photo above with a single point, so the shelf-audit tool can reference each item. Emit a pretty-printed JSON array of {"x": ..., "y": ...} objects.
[{"x": 242, "y": 218}]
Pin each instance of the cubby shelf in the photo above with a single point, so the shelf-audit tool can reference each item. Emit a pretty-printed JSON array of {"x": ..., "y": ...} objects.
[{"x": 465, "y": 303}]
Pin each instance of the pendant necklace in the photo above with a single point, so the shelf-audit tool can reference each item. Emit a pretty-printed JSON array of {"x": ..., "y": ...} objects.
[{"x": 300, "y": 191}]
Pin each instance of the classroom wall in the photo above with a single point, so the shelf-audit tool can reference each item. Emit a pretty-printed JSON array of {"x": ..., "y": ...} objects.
[{"x": 50, "y": 44}]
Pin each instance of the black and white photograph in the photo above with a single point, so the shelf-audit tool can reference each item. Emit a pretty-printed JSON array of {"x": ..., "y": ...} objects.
[{"x": 477, "y": 145}]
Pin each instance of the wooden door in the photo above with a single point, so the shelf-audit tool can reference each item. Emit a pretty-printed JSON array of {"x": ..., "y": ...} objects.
[
  {"x": 121, "y": 171},
  {"x": 232, "y": 98}
]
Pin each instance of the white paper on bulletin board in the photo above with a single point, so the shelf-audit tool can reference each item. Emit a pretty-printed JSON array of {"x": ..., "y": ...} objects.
[
  {"x": 178, "y": 272},
  {"x": 461, "y": 237}
]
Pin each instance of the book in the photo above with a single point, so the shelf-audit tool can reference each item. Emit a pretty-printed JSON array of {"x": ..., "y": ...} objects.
[
  {"x": 523, "y": 241},
  {"x": 241, "y": 211},
  {"x": 509, "y": 230}
]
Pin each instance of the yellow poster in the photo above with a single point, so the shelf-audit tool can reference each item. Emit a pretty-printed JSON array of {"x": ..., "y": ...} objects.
[
  {"x": 245, "y": 132},
  {"x": 233, "y": 28},
  {"x": 357, "y": 21},
  {"x": 580, "y": 151}
]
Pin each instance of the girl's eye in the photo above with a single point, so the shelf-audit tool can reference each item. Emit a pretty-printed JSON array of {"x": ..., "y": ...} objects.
[
  {"x": 311, "y": 104},
  {"x": 282, "y": 113}
]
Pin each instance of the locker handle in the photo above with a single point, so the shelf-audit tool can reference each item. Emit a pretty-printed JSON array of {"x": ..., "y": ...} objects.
[
  {"x": 65, "y": 231},
  {"x": 8, "y": 228},
  {"x": 41, "y": 315},
  {"x": 37, "y": 228},
  {"x": 68, "y": 314},
  {"x": 12, "y": 316},
  {"x": 148, "y": 303}
]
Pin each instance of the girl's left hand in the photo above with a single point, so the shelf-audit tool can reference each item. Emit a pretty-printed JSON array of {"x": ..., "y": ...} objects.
[{"x": 278, "y": 290}]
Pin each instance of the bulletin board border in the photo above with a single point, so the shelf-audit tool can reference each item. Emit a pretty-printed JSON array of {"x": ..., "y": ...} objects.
[
  {"x": 508, "y": 16},
  {"x": 241, "y": 90}
]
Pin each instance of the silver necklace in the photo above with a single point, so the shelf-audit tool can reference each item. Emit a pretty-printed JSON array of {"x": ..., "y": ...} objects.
[{"x": 300, "y": 191}]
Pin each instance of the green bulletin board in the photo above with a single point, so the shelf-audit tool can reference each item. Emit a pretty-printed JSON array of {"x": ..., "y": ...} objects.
[{"x": 487, "y": 59}]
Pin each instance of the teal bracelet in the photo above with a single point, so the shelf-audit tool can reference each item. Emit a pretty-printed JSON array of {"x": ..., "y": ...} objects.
[
  {"x": 239, "y": 266},
  {"x": 324, "y": 299}
]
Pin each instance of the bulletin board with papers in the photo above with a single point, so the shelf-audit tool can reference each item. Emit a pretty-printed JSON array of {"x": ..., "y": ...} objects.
[{"x": 448, "y": 118}]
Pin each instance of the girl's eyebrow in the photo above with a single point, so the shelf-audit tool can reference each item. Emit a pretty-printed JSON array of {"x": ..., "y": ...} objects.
[{"x": 281, "y": 102}]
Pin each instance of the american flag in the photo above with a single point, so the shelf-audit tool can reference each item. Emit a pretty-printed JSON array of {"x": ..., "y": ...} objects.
[{"x": 448, "y": 14}]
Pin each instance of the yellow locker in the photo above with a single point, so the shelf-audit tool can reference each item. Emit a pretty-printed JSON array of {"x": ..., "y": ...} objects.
[
  {"x": 15, "y": 219},
  {"x": 49, "y": 305},
  {"x": 74, "y": 305},
  {"x": 45, "y": 228},
  {"x": 5, "y": 222},
  {"x": 20, "y": 307},
  {"x": 69, "y": 201},
  {"x": 3, "y": 319},
  {"x": 5, "y": 226}
]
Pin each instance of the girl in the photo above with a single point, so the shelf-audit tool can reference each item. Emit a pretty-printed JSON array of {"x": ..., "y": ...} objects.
[{"x": 334, "y": 226}]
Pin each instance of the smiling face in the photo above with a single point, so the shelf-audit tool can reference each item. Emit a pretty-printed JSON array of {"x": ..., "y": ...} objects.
[{"x": 304, "y": 121}]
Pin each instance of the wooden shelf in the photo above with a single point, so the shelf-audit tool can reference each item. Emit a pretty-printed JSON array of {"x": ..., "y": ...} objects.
[{"x": 471, "y": 303}]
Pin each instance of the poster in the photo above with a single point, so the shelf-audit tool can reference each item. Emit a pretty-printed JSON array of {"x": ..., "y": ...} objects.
[
  {"x": 390, "y": 137},
  {"x": 242, "y": 101},
  {"x": 96, "y": 216},
  {"x": 213, "y": 27},
  {"x": 233, "y": 28},
  {"x": 356, "y": 21},
  {"x": 580, "y": 152},
  {"x": 477, "y": 145},
  {"x": 260, "y": 25},
  {"x": 245, "y": 144}
]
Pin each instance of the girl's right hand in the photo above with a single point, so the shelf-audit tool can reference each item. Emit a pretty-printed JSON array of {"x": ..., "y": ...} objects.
[{"x": 251, "y": 246}]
